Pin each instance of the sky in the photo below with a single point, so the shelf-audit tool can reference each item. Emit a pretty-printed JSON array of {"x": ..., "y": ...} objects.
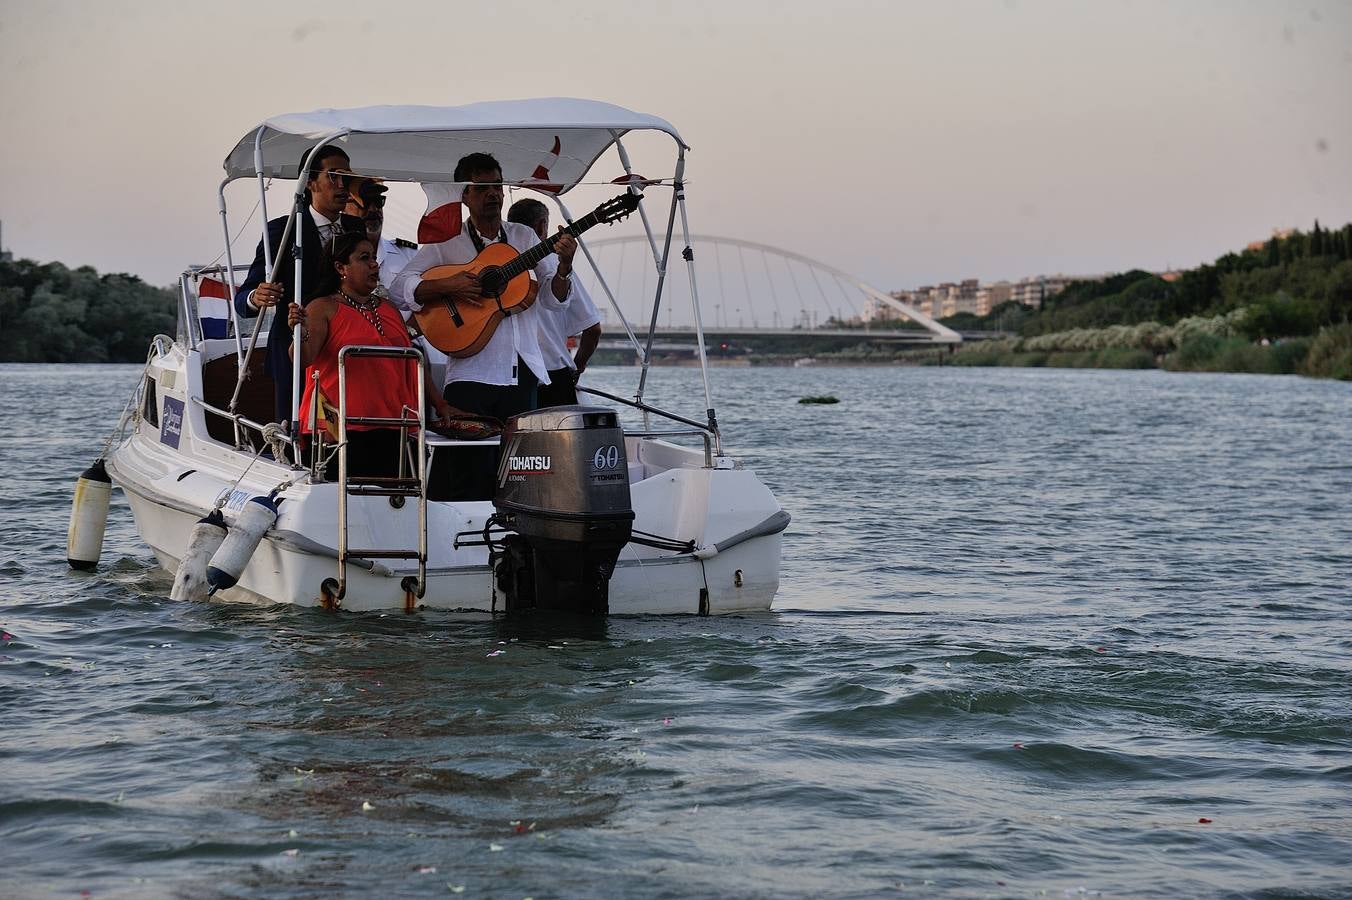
[{"x": 905, "y": 143}]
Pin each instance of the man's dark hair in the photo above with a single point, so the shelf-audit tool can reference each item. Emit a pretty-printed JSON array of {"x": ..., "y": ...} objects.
[
  {"x": 529, "y": 212},
  {"x": 320, "y": 155},
  {"x": 475, "y": 164}
]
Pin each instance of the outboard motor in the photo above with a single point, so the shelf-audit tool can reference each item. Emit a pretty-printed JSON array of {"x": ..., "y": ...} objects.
[{"x": 563, "y": 488}]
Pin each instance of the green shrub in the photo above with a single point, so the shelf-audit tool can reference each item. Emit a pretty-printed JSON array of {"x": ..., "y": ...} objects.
[
  {"x": 1278, "y": 315},
  {"x": 1124, "y": 358},
  {"x": 1288, "y": 356},
  {"x": 1063, "y": 359},
  {"x": 1196, "y": 352},
  {"x": 1239, "y": 355},
  {"x": 1330, "y": 353},
  {"x": 974, "y": 358}
]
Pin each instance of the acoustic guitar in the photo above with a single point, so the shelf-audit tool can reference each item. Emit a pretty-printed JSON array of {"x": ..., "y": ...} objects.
[{"x": 462, "y": 329}]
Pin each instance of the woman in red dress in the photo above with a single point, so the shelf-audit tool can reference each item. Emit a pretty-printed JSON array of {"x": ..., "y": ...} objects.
[{"x": 347, "y": 311}]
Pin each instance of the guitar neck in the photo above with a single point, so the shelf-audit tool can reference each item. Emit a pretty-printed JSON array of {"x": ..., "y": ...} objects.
[{"x": 529, "y": 258}]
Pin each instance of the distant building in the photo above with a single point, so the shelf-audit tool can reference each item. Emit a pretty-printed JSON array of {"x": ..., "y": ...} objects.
[
  {"x": 5, "y": 255},
  {"x": 989, "y": 296},
  {"x": 964, "y": 299},
  {"x": 1028, "y": 292},
  {"x": 971, "y": 296},
  {"x": 944, "y": 297},
  {"x": 876, "y": 310},
  {"x": 1034, "y": 291},
  {"x": 1280, "y": 234},
  {"x": 920, "y": 299}
]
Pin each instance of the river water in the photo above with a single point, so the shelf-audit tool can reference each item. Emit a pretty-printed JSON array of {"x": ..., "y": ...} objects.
[{"x": 1040, "y": 633}]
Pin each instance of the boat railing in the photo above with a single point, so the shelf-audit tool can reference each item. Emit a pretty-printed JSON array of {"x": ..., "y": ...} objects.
[
  {"x": 161, "y": 345},
  {"x": 698, "y": 429},
  {"x": 190, "y": 333},
  {"x": 406, "y": 483},
  {"x": 708, "y": 440},
  {"x": 190, "y": 322},
  {"x": 241, "y": 421}
]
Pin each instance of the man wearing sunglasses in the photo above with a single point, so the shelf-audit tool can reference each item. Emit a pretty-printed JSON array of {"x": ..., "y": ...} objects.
[
  {"x": 326, "y": 187},
  {"x": 366, "y": 202}
]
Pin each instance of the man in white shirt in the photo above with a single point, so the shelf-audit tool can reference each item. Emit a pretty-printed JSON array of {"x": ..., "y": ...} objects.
[
  {"x": 578, "y": 317},
  {"x": 501, "y": 379}
]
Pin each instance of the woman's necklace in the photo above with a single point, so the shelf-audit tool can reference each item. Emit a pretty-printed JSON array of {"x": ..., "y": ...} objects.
[{"x": 368, "y": 311}]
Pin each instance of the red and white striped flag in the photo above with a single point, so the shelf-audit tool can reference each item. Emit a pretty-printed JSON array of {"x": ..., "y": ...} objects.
[
  {"x": 441, "y": 222},
  {"x": 213, "y": 308},
  {"x": 539, "y": 179}
]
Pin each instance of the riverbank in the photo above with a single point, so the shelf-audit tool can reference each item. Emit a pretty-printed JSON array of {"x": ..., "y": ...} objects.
[{"x": 1327, "y": 354}]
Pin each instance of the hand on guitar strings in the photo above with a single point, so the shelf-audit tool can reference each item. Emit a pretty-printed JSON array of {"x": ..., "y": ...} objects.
[{"x": 461, "y": 287}]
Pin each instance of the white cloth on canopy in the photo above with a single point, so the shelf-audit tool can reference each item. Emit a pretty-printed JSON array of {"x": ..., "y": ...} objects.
[{"x": 423, "y": 143}]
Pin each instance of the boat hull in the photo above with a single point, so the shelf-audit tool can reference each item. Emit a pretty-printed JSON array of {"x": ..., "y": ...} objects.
[{"x": 674, "y": 495}]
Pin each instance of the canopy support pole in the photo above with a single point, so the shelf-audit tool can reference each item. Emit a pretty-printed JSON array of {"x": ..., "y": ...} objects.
[
  {"x": 268, "y": 266},
  {"x": 241, "y": 372},
  {"x": 678, "y": 199},
  {"x": 299, "y": 209},
  {"x": 230, "y": 274},
  {"x": 263, "y": 208},
  {"x": 600, "y": 278},
  {"x": 661, "y": 275},
  {"x": 643, "y": 214}
]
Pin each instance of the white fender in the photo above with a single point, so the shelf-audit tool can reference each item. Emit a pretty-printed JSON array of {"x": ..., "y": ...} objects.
[
  {"x": 228, "y": 563},
  {"x": 190, "y": 582},
  {"x": 88, "y": 517}
]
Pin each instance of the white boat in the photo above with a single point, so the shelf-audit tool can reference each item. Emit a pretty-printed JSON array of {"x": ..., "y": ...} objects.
[{"x": 706, "y": 531}]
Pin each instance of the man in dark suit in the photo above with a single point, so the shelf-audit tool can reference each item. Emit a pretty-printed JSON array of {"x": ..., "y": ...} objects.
[{"x": 326, "y": 186}]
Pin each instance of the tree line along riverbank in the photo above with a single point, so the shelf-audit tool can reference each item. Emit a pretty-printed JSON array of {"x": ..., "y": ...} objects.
[
  {"x": 1282, "y": 308},
  {"x": 51, "y": 313}
]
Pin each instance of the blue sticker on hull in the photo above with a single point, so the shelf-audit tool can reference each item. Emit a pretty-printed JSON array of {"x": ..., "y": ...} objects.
[{"x": 171, "y": 422}]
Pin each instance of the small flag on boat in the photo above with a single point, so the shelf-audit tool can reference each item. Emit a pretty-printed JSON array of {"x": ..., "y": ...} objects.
[
  {"x": 441, "y": 222},
  {"x": 213, "y": 308}
]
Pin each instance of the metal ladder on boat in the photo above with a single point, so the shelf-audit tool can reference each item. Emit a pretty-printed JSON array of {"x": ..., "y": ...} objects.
[{"x": 404, "y": 485}]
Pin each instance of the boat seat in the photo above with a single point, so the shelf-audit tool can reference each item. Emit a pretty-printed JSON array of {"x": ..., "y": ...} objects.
[{"x": 256, "y": 401}]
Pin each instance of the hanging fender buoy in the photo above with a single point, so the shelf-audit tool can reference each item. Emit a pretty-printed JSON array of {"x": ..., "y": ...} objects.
[
  {"x": 88, "y": 517},
  {"x": 190, "y": 582},
  {"x": 228, "y": 563}
]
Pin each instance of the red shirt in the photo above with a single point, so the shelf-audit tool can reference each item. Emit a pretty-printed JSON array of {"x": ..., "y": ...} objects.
[{"x": 375, "y": 386}]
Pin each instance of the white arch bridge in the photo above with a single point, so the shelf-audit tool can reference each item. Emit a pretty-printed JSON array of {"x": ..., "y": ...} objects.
[{"x": 746, "y": 289}]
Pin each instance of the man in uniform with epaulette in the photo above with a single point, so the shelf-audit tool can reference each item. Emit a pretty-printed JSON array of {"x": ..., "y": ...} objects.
[{"x": 366, "y": 201}]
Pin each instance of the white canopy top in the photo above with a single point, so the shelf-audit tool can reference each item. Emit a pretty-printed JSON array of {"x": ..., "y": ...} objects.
[{"x": 559, "y": 135}]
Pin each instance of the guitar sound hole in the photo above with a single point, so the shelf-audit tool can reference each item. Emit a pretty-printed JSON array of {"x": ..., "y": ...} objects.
[{"x": 492, "y": 282}]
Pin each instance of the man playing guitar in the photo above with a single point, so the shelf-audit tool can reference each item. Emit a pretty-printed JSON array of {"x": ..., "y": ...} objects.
[{"x": 501, "y": 379}]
